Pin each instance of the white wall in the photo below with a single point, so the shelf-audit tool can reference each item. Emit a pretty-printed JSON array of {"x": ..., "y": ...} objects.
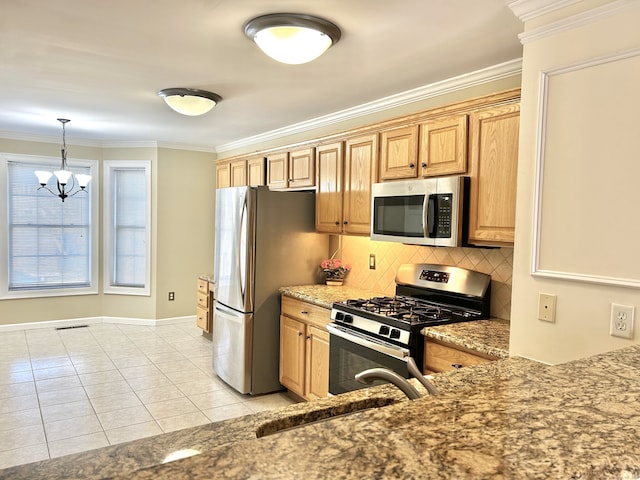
[{"x": 583, "y": 31}]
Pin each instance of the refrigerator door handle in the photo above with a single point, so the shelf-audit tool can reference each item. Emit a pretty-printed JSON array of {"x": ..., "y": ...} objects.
[{"x": 242, "y": 251}]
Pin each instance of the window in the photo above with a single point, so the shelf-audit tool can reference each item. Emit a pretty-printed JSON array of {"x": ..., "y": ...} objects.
[
  {"x": 127, "y": 226},
  {"x": 50, "y": 246}
]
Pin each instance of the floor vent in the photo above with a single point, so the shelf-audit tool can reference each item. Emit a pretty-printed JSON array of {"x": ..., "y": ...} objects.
[{"x": 73, "y": 326}]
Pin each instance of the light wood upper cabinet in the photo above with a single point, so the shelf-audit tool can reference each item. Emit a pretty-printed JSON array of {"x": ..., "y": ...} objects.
[
  {"x": 361, "y": 160},
  {"x": 443, "y": 146},
  {"x": 493, "y": 168},
  {"x": 399, "y": 153},
  {"x": 345, "y": 173},
  {"x": 293, "y": 169},
  {"x": 223, "y": 174},
  {"x": 278, "y": 170},
  {"x": 256, "y": 172},
  {"x": 329, "y": 168},
  {"x": 302, "y": 168},
  {"x": 238, "y": 172}
]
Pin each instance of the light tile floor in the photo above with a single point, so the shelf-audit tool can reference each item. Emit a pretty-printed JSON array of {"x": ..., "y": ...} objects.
[{"x": 67, "y": 391}]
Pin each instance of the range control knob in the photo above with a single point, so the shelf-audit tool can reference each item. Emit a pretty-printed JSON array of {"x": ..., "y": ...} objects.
[
  {"x": 395, "y": 333},
  {"x": 384, "y": 330},
  {"x": 348, "y": 318},
  {"x": 339, "y": 315}
]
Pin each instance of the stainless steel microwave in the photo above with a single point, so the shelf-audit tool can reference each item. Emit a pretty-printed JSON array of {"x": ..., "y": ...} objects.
[{"x": 419, "y": 212}]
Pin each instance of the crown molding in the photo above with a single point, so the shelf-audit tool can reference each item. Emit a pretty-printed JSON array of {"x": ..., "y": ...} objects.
[
  {"x": 478, "y": 77},
  {"x": 577, "y": 20},
  {"x": 33, "y": 137},
  {"x": 80, "y": 142},
  {"x": 526, "y": 10},
  {"x": 191, "y": 148}
]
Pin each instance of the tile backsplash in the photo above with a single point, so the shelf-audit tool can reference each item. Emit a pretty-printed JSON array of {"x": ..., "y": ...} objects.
[{"x": 497, "y": 262}]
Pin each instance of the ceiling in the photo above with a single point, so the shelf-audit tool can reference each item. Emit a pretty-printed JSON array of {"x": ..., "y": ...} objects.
[{"x": 101, "y": 63}]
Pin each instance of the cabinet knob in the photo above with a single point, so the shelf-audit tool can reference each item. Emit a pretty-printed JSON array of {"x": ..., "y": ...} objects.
[
  {"x": 304, "y": 312},
  {"x": 337, "y": 222},
  {"x": 308, "y": 337},
  {"x": 299, "y": 334},
  {"x": 457, "y": 366},
  {"x": 345, "y": 222},
  {"x": 424, "y": 165},
  {"x": 412, "y": 165}
]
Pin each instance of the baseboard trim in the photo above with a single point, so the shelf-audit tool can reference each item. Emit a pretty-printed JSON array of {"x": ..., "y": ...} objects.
[{"x": 75, "y": 322}]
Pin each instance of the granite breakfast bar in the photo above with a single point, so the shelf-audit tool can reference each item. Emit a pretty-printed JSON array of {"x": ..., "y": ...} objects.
[{"x": 512, "y": 418}]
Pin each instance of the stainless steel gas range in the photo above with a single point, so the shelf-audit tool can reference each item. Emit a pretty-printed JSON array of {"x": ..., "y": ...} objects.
[{"x": 383, "y": 331}]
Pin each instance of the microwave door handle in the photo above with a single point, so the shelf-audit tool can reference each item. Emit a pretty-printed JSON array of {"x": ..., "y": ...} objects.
[{"x": 432, "y": 216}]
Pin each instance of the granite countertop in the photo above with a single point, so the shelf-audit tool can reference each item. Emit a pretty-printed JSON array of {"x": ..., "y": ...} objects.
[
  {"x": 511, "y": 418},
  {"x": 325, "y": 295},
  {"x": 490, "y": 337}
]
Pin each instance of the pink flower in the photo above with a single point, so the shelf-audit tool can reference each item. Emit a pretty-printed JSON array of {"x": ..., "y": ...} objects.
[{"x": 335, "y": 264}]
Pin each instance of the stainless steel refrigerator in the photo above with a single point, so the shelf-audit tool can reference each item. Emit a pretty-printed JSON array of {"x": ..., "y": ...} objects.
[{"x": 263, "y": 240}]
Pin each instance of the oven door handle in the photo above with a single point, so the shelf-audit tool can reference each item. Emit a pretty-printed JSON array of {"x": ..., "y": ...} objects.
[{"x": 391, "y": 350}]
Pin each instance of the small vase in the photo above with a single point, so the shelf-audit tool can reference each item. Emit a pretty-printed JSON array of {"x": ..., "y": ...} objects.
[{"x": 334, "y": 282}]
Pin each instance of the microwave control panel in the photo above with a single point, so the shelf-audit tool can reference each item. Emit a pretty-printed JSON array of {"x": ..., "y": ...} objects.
[{"x": 444, "y": 205}]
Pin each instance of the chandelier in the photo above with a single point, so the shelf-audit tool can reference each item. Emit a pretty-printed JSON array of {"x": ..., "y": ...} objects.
[{"x": 63, "y": 176}]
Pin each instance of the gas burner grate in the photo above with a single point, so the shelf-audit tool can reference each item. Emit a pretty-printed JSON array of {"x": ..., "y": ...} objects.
[{"x": 410, "y": 310}]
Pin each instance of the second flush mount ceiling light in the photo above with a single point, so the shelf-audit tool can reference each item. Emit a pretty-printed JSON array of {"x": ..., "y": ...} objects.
[
  {"x": 291, "y": 37},
  {"x": 190, "y": 101}
]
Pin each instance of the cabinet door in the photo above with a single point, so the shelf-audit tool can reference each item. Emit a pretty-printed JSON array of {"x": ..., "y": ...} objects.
[
  {"x": 292, "y": 354},
  {"x": 494, "y": 163},
  {"x": 399, "y": 153},
  {"x": 317, "y": 360},
  {"x": 361, "y": 161},
  {"x": 443, "y": 146},
  {"x": 302, "y": 168},
  {"x": 256, "y": 171},
  {"x": 278, "y": 170},
  {"x": 223, "y": 175},
  {"x": 238, "y": 173},
  {"x": 329, "y": 165}
]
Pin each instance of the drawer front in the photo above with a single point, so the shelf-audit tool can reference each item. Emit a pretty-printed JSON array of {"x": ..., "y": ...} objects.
[
  {"x": 306, "y": 312},
  {"x": 203, "y": 299},
  {"x": 441, "y": 358},
  {"x": 202, "y": 318},
  {"x": 203, "y": 285}
]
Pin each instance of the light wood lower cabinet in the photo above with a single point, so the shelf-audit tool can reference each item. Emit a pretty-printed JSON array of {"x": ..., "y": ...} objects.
[
  {"x": 444, "y": 357},
  {"x": 204, "y": 306},
  {"x": 304, "y": 348}
]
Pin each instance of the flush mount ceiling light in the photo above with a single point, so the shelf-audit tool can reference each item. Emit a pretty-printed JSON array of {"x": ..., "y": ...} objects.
[
  {"x": 67, "y": 183},
  {"x": 189, "y": 101},
  {"x": 291, "y": 37}
]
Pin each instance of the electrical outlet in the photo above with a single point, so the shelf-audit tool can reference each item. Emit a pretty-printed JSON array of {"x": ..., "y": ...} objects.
[
  {"x": 172, "y": 296},
  {"x": 547, "y": 307},
  {"x": 622, "y": 320},
  {"x": 372, "y": 261}
]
